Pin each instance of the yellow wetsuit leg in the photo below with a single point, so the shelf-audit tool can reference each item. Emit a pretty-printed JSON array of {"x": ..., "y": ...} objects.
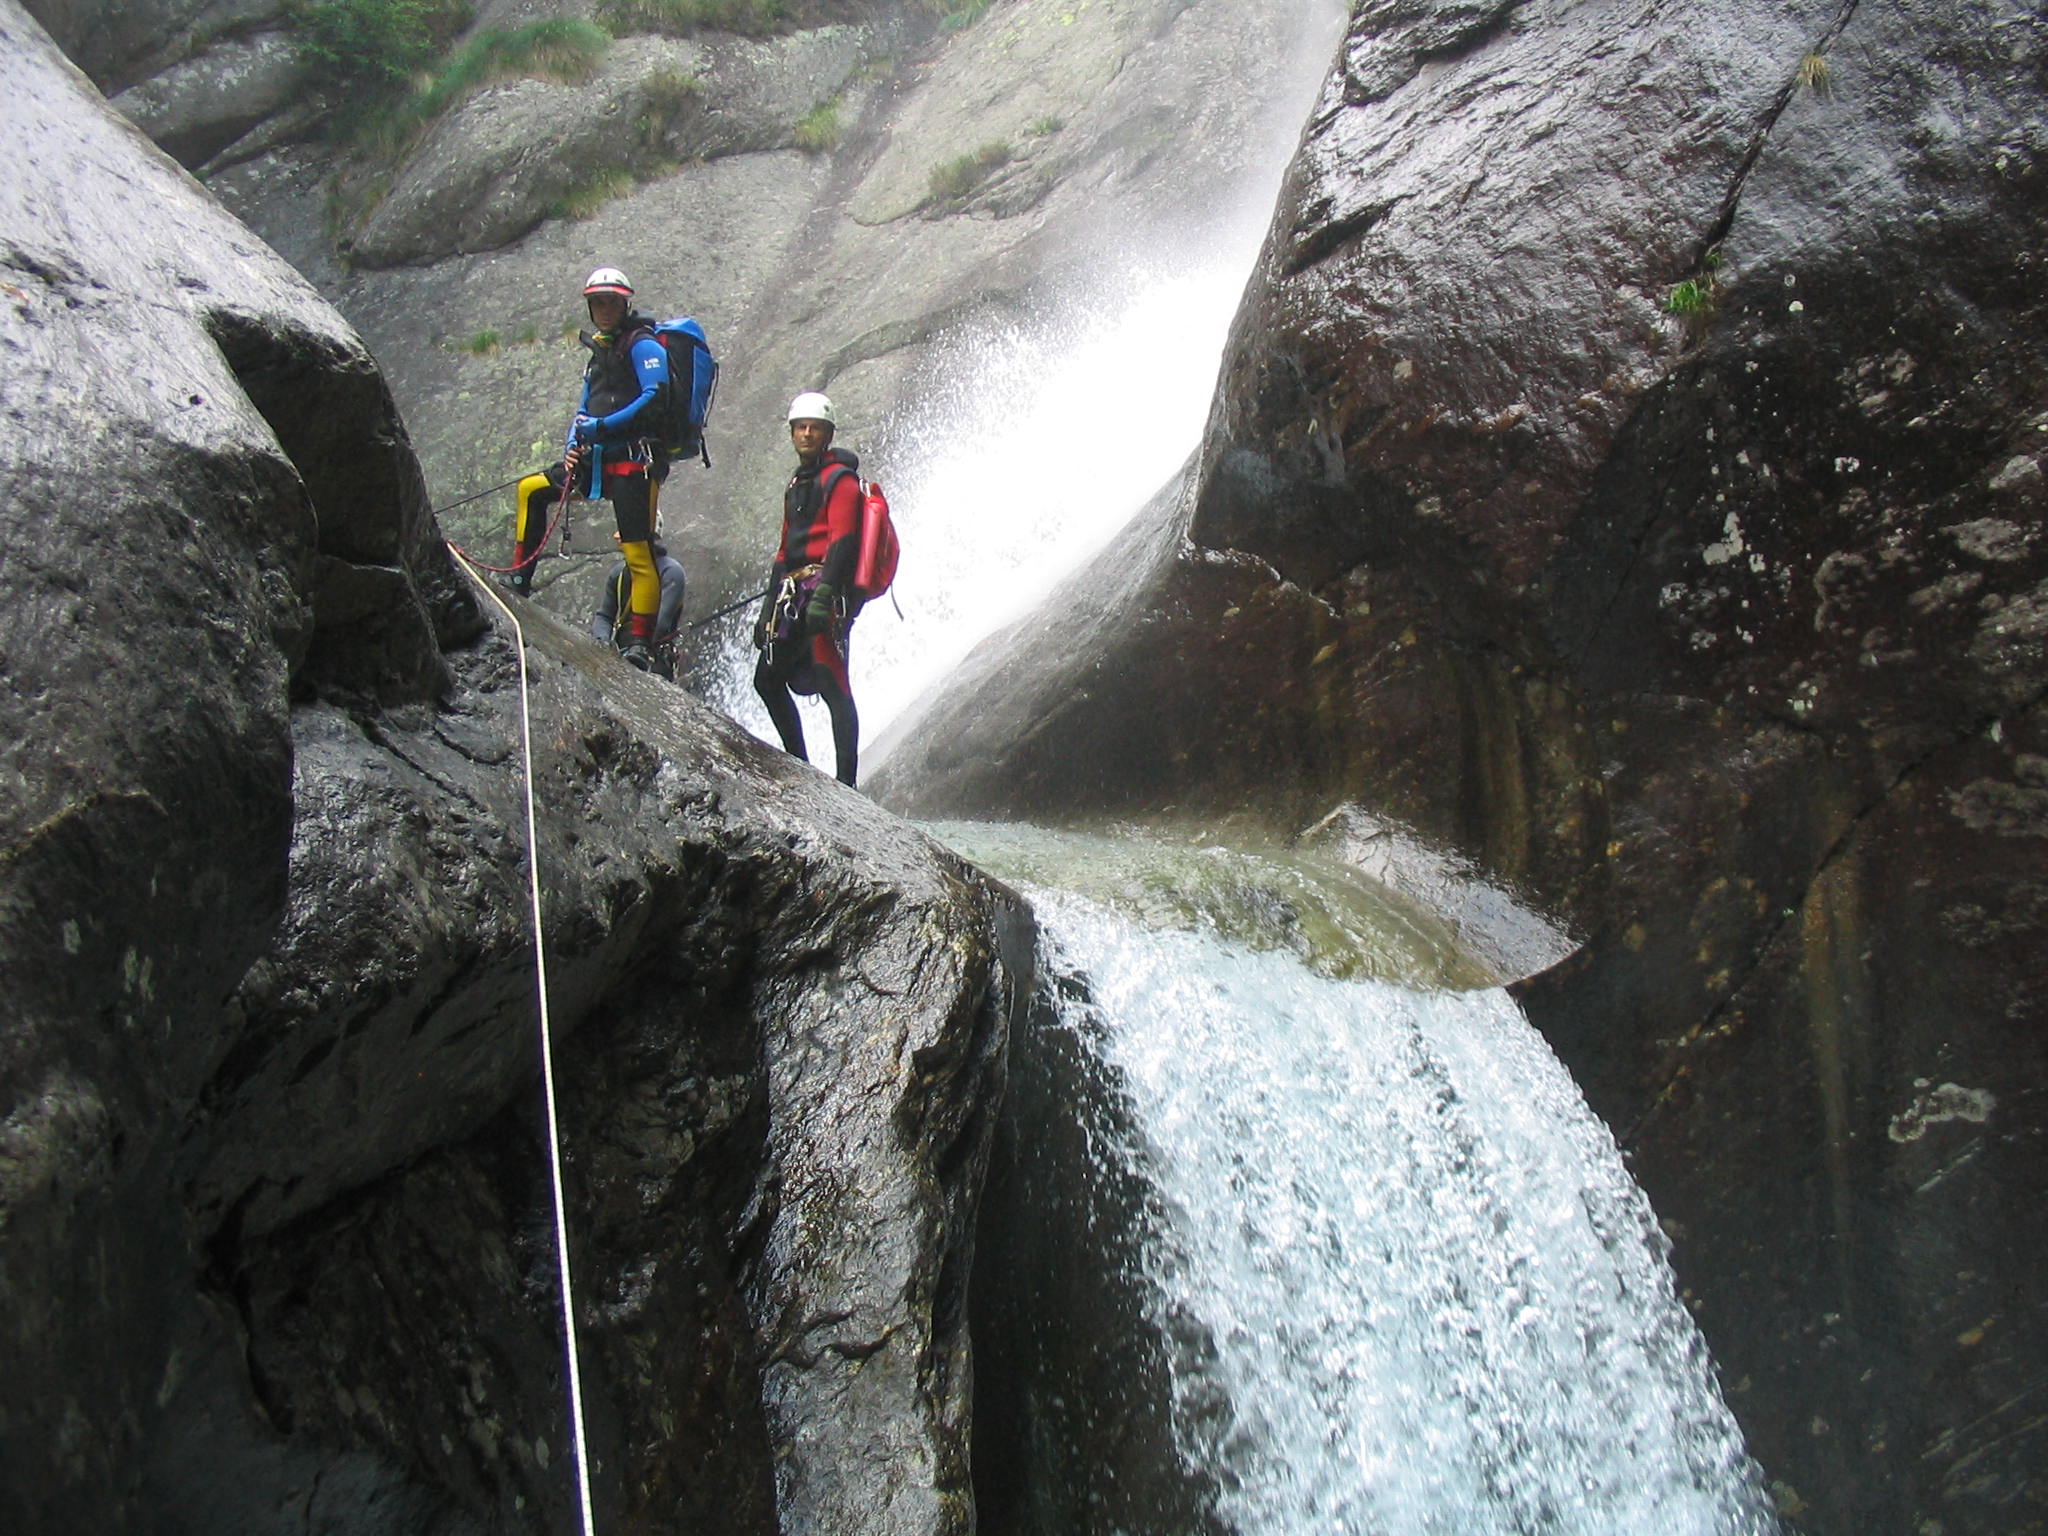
[
  {"x": 537, "y": 497},
  {"x": 646, "y": 600}
]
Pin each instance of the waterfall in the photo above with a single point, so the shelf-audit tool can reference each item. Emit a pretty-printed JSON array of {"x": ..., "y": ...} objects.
[
  {"x": 1057, "y": 431},
  {"x": 1423, "y": 1294},
  {"x": 1289, "y": 1239},
  {"x": 1041, "y": 424}
]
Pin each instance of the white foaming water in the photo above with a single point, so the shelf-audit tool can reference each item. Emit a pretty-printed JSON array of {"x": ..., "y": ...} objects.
[
  {"x": 1054, "y": 438},
  {"x": 1438, "y": 1304}
]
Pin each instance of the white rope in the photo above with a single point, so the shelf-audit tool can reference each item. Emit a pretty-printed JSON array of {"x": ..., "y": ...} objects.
[{"x": 547, "y": 1064}]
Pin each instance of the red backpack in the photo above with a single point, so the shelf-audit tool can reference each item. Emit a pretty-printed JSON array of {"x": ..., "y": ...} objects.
[
  {"x": 875, "y": 568},
  {"x": 879, "y": 549}
]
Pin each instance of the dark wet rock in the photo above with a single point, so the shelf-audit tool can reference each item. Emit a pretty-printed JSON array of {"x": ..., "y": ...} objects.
[
  {"x": 779, "y": 1019},
  {"x": 121, "y": 43},
  {"x": 1718, "y": 633},
  {"x": 276, "y": 1238}
]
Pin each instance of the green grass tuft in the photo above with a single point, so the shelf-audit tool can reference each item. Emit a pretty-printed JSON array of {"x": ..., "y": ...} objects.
[
  {"x": 585, "y": 199},
  {"x": 564, "y": 48},
  {"x": 664, "y": 94},
  {"x": 1690, "y": 297},
  {"x": 819, "y": 129},
  {"x": 958, "y": 15},
  {"x": 954, "y": 180}
]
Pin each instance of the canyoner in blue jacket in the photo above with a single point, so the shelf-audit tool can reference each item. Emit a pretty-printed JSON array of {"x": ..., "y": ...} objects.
[{"x": 613, "y": 453}]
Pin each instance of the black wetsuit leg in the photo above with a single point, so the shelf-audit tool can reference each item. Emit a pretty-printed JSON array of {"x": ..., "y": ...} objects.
[
  {"x": 632, "y": 507},
  {"x": 845, "y": 726},
  {"x": 827, "y": 663},
  {"x": 772, "y": 684}
]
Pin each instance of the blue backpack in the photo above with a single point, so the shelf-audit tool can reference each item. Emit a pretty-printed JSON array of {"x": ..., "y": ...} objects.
[{"x": 692, "y": 384}]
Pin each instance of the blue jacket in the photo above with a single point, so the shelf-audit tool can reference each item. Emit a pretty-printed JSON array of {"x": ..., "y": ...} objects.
[{"x": 620, "y": 385}]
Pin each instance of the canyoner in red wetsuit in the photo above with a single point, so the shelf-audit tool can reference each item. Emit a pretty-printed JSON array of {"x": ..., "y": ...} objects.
[{"x": 805, "y": 614}]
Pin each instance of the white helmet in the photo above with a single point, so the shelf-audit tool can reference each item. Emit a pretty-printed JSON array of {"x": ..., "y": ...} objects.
[
  {"x": 812, "y": 406},
  {"x": 607, "y": 280}
]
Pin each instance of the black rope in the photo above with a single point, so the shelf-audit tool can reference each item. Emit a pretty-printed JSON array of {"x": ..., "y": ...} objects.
[
  {"x": 493, "y": 490},
  {"x": 751, "y": 597}
]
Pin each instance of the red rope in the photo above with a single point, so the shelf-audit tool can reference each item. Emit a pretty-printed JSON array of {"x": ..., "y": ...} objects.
[{"x": 561, "y": 508}]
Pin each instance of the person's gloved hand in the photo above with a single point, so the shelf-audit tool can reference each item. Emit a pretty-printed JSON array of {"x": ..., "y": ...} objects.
[
  {"x": 818, "y": 613},
  {"x": 584, "y": 432}
]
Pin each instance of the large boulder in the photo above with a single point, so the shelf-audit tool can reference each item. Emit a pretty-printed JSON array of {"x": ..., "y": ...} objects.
[
  {"x": 1627, "y": 471},
  {"x": 197, "y": 107},
  {"x": 779, "y": 1019},
  {"x": 277, "y": 1241}
]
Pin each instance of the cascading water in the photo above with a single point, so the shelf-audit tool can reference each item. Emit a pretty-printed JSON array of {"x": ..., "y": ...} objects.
[
  {"x": 1289, "y": 1240},
  {"x": 1411, "y": 1288},
  {"x": 1436, "y": 1301},
  {"x": 1056, "y": 433}
]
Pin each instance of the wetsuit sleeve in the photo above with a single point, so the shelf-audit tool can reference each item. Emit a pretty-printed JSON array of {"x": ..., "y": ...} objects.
[
  {"x": 842, "y": 531},
  {"x": 635, "y": 417},
  {"x": 671, "y": 611},
  {"x": 779, "y": 566},
  {"x": 589, "y": 476}
]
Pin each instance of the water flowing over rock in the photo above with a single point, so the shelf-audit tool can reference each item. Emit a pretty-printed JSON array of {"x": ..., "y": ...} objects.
[
  {"x": 1626, "y": 472},
  {"x": 1625, "y": 485},
  {"x": 276, "y": 1246}
]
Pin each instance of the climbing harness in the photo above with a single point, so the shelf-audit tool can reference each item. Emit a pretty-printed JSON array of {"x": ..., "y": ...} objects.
[
  {"x": 786, "y": 621},
  {"x": 547, "y": 1063}
]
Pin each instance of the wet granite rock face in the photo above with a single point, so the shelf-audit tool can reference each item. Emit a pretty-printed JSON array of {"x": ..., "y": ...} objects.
[
  {"x": 121, "y": 43},
  {"x": 511, "y": 155},
  {"x": 1628, "y": 469},
  {"x": 197, "y": 107},
  {"x": 276, "y": 1239},
  {"x": 779, "y": 1017}
]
